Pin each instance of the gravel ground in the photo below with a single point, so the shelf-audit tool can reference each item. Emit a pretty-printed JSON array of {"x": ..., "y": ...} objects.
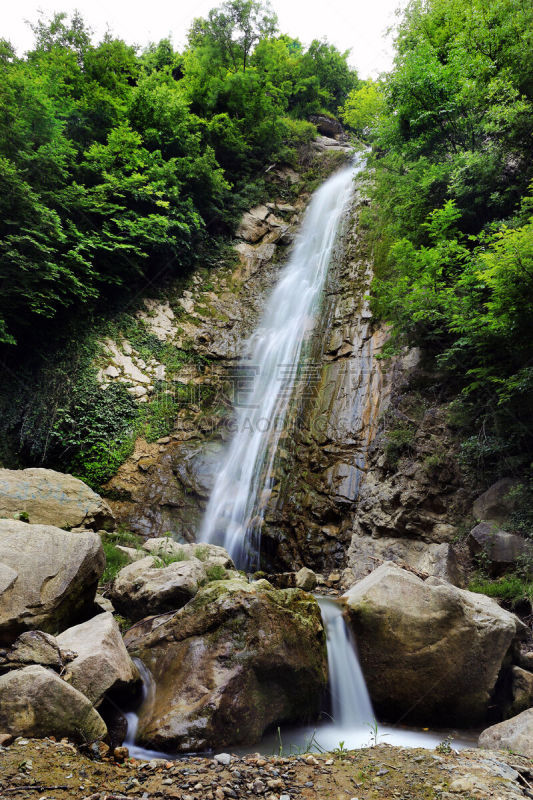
[{"x": 48, "y": 770}]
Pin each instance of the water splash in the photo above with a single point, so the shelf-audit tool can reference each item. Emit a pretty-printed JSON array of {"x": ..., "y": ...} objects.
[
  {"x": 235, "y": 511},
  {"x": 350, "y": 700}
]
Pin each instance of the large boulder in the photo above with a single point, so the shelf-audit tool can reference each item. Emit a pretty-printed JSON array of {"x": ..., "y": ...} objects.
[
  {"x": 102, "y": 665},
  {"x": 52, "y": 498},
  {"x": 47, "y": 577},
  {"x": 236, "y": 659},
  {"x": 501, "y": 548},
  {"x": 145, "y": 587},
  {"x": 209, "y": 554},
  {"x": 367, "y": 552},
  {"x": 515, "y": 734},
  {"x": 34, "y": 701},
  {"x": 430, "y": 652},
  {"x": 497, "y": 503}
]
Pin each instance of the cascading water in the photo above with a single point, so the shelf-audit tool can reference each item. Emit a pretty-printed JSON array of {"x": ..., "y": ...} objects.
[
  {"x": 350, "y": 700},
  {"x": 235, "y": 512}
]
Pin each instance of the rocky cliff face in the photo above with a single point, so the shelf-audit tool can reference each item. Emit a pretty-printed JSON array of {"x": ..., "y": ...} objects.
[
  {"x": 165, "y": 484},
  {"x": 359, "y": 478}
]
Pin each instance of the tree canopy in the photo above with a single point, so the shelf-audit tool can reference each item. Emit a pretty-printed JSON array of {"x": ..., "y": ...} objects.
[
  {"x": 451, "y": 221},
  {"x": 117, "y": 164}
]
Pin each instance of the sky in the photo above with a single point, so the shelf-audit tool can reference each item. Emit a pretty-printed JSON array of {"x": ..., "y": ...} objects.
[{"x": 356, "y": 25}]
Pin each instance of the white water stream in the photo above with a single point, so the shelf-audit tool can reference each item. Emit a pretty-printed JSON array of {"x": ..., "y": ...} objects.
[{"x": 235, "y": 511}]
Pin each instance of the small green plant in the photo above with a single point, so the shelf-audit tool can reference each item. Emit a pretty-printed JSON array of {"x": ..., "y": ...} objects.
[
  {"x": 114, "y": 561},
  {"x": 22, "y": 516},
  {"x": 163, "y": 559},
  {"x": 374, "y": 733},
  {"x": 201, "y": 552},
  {"x": 216, "y": 573},
  {"x": 340, "y": 749},
  {"x": 398, "y": 442},
  {"x": 509, "y": 587},
  {"x": 445, "y": 747}
]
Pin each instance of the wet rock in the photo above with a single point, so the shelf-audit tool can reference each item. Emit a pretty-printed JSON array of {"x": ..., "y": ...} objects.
[
  {"x": 306, "y": 579},
  {"x": 236, "y": 659},
  {"x": 429, "y": 651},
  {"x": 52, "y": 498},
  {"x": 501, "y": 548},
  {"x": 102, "y": 665},
  {"x": 515, "y": 734},
  {"x": 497, "y": 503},
  {"x": 34, "y": 701},
  {"x": 52, "y": 577},
  {"x": 145, "y": 587}
]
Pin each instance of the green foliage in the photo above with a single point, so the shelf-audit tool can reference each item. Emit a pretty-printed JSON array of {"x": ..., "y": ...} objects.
[
  {"x": 398, "y": 442},
  {"x": 216, "y": 573},
  {"x": 114, "y": 561},
  {"x": 509, "y": 587},
  {"x": 116, "y": 167},
  {"x": 451, "y": 221}
]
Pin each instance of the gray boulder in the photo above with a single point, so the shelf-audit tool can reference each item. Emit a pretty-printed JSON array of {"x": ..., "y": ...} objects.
[
  {"x": 209, "y": 554},
  {"x": 35, "y": 702},
  {"x": 515, "y": 734},
  {"x": 47, "y": 577},
  {"x": 306, "y": 579},
  {"x": 522, "y": 691},
  {"x": 497, "y": 503},
  {"x": 35, "y": 647},
  {"x": 430, "y": 652},
  {"x": 52, "y": 498},
  {"x": 238, "y": 658},
  {"x": 367, "y": 552},
  {"x": 501, "y": 548},
  {"x": 144, "y": 587},
  {"x": 102, "y": 664}
]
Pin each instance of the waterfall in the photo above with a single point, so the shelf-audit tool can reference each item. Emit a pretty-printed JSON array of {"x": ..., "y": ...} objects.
[
  {"x": 350, "y": 700},
  {"x": 235, "y": 512}
]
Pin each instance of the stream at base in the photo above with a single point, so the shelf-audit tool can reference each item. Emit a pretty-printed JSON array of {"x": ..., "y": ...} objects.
[{"x": 350, "y": 725}]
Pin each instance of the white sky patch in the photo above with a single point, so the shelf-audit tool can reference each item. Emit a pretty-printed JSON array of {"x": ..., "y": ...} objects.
[{"x": 356, "y": 25}]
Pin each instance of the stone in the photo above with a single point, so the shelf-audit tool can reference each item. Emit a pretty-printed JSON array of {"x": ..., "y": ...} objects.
[
  {"x": 251, "y": 228},
  {"x": 131, "y": 553},
  {"x": 306, "y": 579},
  {"x": 429, "y": 651},
  {"x": 6, "y": 739},
  {"x": 522, "y": 691},
  {"x": 366, "y": 553},
  {"x": 496, "y": 504},
  {"x": 36, "y": 647},
  {"x": 57, "y": 574},
  {"x": 144, "y": 588},
  {"x": 111, "y": 371},
  {"x": 36, "y": 702},
  {"x": 210, "y": 554},
  {"x": 52, "y": 498},
  {"x": 104, "y": 603},
  {"x": 102, "y": 665},
  {"x": 501, "y": 548},
  {"x": 515, "y": 734},
  {"x": 236, "y": 659},
  {"x": 327, "y": 126},
  {"x": 223, "y": 758}
]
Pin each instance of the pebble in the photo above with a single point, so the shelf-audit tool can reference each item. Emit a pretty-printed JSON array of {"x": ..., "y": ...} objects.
[{"x": 223, "y": 758}]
